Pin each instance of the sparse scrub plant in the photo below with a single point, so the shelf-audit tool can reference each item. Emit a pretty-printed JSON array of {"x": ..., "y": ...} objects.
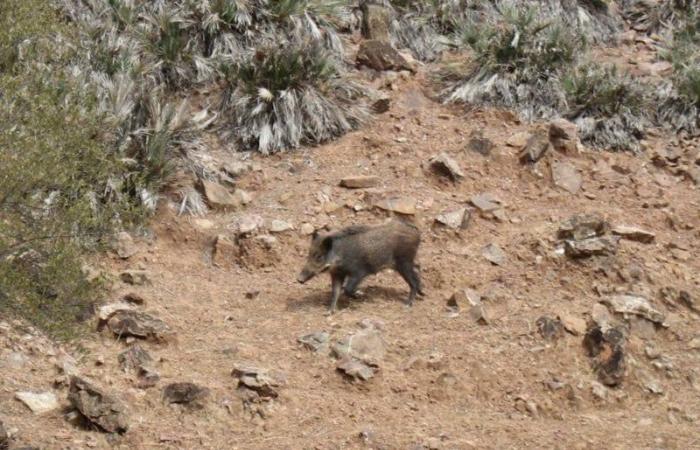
[
  {"x": 286, "y": 95},
  {"x": 611, "y": 110}
]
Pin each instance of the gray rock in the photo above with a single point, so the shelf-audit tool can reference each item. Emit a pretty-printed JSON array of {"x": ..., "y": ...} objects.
[
  {"x": 494, "y": 254},
  {"x": 101, "y": 409},
  {"x": 365, "y": 345},
  {"x": 381, "y": 105},
  {"x": 248, "y": 224},
  {"x": 550, "y": 329},
  {"x": 306, "y": 229},
  {"x": 582, "y": 226},
  {"x": 566, "y": 176},
  {"x": 486, "y": 202},
  {"x": 535, "y": 148},
  {"x": 634, "y": 305},
  {"x": 262, "y": 381},
  {"x": 356, "y": 369},
  {"x": 376, "y": 22},
  {"x": 445, "y": 165},
  {"x": 316, "y": 342},
  {"x": 464, "y": 297},
  {"x": 607, "y": 352},
  {"x": 518, "y": 140},
  {"x": 237, "y": 168},
  {"x": 135, "y": 277},
  {"x": 4, "y": 437},
  {"x": 634, "y": 234},
  {"x": 597, "y": 246},
  {"x": 15, "y": 360},
  {"x": 219, "y": 197},
  {"x": 380, "y": 56},
  {"x": 479, "y": 144},
  {"x": 457, "y": 219},
  {"x": 563, "y": 135},
  {"x": 280, "y": 226},
  {"x": 126, "y": 323},
  {"x": 136, "y": 359},
  {"x": 125, "y": 245},
  {"x": 400, "y": 205},
  {"x": 572, "y": 324},
  {"x": 188, "y": 394},
  {"x": 39, "y": 403},
  {"x": 359, "y": 181}
]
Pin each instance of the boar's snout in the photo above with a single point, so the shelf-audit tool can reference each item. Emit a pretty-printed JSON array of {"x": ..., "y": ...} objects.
[{"x": 304, "y": 276}]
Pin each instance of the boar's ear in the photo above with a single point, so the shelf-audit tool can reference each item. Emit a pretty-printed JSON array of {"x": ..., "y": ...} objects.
[{"x": 327, "y": 243}]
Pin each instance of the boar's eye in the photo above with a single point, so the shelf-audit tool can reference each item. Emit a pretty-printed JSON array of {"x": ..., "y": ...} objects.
[{"x": 319, "y": 257}]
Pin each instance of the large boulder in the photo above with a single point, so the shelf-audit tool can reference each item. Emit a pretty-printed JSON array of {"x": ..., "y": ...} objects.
[
  {"x": 99, "y": 408},
  {"x": 380, "y": 56}
]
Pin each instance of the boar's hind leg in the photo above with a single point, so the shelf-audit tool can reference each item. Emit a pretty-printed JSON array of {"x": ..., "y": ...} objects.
[
  {"x": 407, "y": 273},
  {"x": 337, "y": 283},
  {"x": 351, "y": 284}
]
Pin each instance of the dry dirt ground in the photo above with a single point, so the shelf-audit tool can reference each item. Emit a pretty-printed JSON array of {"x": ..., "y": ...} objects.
[{"x": 446, "y": 382}]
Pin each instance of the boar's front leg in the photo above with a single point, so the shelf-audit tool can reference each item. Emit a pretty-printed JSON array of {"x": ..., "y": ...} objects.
[
  {"x": 336, "y": 285},
  {"x": 407, "y": 272},
  {"x": 351, "y": 284}
]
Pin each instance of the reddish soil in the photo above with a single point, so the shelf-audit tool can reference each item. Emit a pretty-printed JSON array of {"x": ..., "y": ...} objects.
[{"x": 495, "y": 385}]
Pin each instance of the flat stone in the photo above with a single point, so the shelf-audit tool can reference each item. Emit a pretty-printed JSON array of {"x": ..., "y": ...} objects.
[
  {"x": 104, "y": 312},
  {"x": 125, "y": 245},
  {"x": 535, "y": 148},
  {"x": 518, "y": 140},
  {"x": 464, "y": 297},
  {"x": 101, "y": 409},
  {"x": 263, "y": 381},
  {"x": 494, "y": 254},
  {"x": 237, "y": 168},
  {"x": 454, "y": 219},
  {"x": 223, "y": 252},
  {"x": 307, "y": 229},
  {"x": 582, "y": 226},
  {"x": 366, "y": 345},
  {"x": 360, "y": 181},
  {"x": 486, "y": 202},
  {"x": 381, "y": 105},
  {"x": 355, "y": 369},
  {"x": 248, "y": 224},
  {"x": 401, "y": 205},
  {"x": 135, "y": 277},
  {"x": 376, "y": 22},
  {"x": 188, "y": 394},
  {"x": 316, "y": 342},
  {"x": 445, "y": 165},
  {"x": 563, "y": 135},
  {"x": 134, "y": 359},
  {"x": 634, "y": 234},
  {"x": 550, "y": 329},
  {"x": 567, "y": 177},
  {"x": 219, "y": 197},
  {"x": 597, "y": 246},
  {"x": 572, "y": 324},
  {"x": 381, "y": 56},
  {"x": 127, "y": 323},
  {"x": 634, "y": 305},
  {"x": 39, "y": 403},
  {"x": 280, "y": 226},
  {"x": 479, "y": 144}
]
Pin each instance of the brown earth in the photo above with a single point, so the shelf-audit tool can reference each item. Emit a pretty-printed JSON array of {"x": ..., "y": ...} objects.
[{"x": 446, "y": 382}]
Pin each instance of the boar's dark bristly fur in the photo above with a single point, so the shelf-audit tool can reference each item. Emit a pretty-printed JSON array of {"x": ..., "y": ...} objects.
[{"x": 353, "y": 253}]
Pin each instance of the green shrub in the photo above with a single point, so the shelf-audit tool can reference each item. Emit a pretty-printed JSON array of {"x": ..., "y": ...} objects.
[
  {"x": 290, "y": 94},
  {"x": 57, "y": 200},
  {"x": 611, "y": 110}
]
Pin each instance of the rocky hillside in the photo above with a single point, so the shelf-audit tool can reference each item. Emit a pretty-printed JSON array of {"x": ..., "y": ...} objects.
[{"x": 562, "y": 296}]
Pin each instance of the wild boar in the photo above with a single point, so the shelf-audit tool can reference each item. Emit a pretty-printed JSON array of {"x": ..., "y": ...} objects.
[{"x": 353, "y": 253}]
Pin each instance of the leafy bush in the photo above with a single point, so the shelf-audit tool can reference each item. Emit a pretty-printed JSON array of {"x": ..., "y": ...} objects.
[
  {"x": 516, "y": 63},
  {"x": 610, "y": 110},
  {"x": 287, "y": 95},
  {"x": 58, "y": 197}
]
